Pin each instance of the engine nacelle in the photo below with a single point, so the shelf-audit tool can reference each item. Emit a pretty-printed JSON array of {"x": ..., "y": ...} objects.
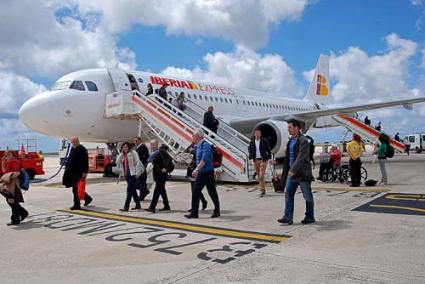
[{"x": 276, "y": 132}]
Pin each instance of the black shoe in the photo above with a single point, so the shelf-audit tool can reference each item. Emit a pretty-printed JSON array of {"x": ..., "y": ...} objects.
[
  {"x": 143, "y": 194},
  {"x": 75, "y": 208},
  {"x": 165, "y": 209},
  {"x": 285, "y": 221},
  {"x": 150, "y": 210},
  {"x": 204, "y": 206},
  {"x": 262, "y": 194},
  {"x": 123, "y": 209},
  {"x": 307, "y": 221},
  {"x": 23, "y": 216},
  {"x": 191, "y": 216},
  {"x": 137, "y": 207},
  {"x": 88, "y": 201},
  {"x": 215, "y": 215}
]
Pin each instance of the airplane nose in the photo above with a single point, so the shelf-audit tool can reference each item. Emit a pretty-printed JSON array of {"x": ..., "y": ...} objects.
[{"x": 32, "y": 113}]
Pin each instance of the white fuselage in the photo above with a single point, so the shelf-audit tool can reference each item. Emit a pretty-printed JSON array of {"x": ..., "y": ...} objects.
[{"x": 74, "y": 107}]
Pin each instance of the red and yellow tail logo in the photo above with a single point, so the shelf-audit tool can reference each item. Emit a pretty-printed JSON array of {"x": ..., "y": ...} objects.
[{"x": 322, "y": 86}]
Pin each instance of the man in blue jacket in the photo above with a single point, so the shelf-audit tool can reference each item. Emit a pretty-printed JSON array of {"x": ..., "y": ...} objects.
[
  {"x": 204, "y": 175},
  {"x": 298, "y": 169}
]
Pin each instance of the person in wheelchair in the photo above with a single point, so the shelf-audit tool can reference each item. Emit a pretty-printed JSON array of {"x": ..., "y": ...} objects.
[{"x": 328, "y": 162}]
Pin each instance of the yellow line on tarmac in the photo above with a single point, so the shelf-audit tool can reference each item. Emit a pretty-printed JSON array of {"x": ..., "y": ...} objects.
[
  {"x": 399, "y": 207},
  {"x": 186, "y": 227},
  {"x": 351, "y": 189}
]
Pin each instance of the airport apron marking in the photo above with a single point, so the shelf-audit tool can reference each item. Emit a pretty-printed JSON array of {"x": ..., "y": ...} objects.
[
  {"x": 141, "y": 236},
  {"x": 178, "y": 131},
  {"x": 396, "y": 203},
  {"x": 239, "y": 234}
]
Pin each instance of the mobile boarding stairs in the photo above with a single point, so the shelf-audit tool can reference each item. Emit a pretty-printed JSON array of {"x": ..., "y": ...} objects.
[{"x": 174, "y": 128}]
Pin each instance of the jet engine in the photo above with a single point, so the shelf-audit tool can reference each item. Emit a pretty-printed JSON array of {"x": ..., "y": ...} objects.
[{"x": 276, "y": 132}]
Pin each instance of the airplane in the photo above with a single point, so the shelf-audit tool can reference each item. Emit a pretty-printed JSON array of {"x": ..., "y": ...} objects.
[{"x": 75, "y": 105}]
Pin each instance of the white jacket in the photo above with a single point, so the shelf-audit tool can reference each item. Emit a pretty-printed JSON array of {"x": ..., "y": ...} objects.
[{"x": 134, "y": 164}]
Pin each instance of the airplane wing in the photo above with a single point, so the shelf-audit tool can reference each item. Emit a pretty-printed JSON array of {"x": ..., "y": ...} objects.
[{"x": 312, "y": 115}]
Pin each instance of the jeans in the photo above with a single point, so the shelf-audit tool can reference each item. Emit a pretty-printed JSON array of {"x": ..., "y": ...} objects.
[
  {"x": 160, "y": 180},
  {"x": 291, "y": 188},
  {"x": 131, "y": 192},
  {"x": 383, "y": 168},
  {"x": 205, "y": 179}
]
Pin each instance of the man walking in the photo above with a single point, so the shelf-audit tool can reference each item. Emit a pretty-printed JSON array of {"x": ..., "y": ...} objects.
[
  {"x": 298, "y": 168},
  {"x": 161, "y": 161},
  {"x": 354, "y": 150},
  {"x": 210, "y": 121},
  {"x": 76, "y": 168},
  {"x": 259, "y": 154},
  {"x": 143, "y": 153},
  {"x": 204, "y": 175}
]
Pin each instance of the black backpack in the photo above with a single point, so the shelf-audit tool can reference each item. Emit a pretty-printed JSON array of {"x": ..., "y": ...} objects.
[{"x": 390, "y": 151}]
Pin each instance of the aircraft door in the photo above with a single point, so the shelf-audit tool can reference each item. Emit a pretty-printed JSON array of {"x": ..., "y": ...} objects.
[{"x": 119, "y": 80}]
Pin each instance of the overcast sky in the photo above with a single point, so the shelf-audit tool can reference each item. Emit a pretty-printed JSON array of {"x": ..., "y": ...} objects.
[{"x": 377, "y": 50}]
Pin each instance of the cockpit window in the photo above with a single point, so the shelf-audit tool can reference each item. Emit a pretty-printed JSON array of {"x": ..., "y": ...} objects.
[
  {"x": 61, "y": 85},
  {"x": 91, "y": 86},
  {"x": 77, "y": 85}
]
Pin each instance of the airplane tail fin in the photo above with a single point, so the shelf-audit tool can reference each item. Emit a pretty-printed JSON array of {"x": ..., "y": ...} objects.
[{"x": 318, "y": 91}]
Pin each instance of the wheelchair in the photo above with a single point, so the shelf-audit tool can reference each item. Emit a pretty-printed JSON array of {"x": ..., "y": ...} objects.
[{"x": 342, "y": 174}]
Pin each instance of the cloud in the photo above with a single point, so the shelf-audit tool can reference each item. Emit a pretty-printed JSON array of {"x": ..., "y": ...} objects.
[
  {"x": 14, "y": 91},
  {"x": 50, "y": 38},
  {"x": 417, "y": 2},
  {"x": 246, "y": 24},
  {"x": 244, "y": 68},
  {"x": 361, "y": 78}
]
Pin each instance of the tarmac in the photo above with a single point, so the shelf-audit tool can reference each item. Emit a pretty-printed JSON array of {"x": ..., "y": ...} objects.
[{"x": 362, "y": 235}]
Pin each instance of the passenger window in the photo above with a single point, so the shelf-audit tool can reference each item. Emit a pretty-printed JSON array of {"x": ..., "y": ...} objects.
[
  {"x": 412, "y": 139},
  {"x": 230, "y": 100},
  {"x": 221, "y": 100},
  {"x": 200, "y": 97},
  {"x": 237, "y": 102},
  {"x": 211, "y": 99},
  {"x": 256, "y": 104},
  {"x": 206, "y": 98},
  {"x": 216, "y": 99},
  {"x": 77, "y": 85},
  {"x": 91, "y": 86},
  {"x": 225, "y": 100},
  {"x": 194, "y": 96},
  {"x": 188, "y": 96}
]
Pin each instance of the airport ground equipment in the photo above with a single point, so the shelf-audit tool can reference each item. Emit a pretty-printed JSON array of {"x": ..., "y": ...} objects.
[
  {"x": 175, "y": 128},
  {"x": 366, "y": 132},
  {"x": 32, "y": 162}
]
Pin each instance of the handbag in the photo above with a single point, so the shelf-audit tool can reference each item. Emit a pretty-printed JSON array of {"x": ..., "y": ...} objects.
[
  {"x": 275, "y": 180},
  {"x": 81, "y": 188}
]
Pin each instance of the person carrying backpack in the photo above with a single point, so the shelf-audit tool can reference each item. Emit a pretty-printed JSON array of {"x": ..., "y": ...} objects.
[
  {"x": 204, "y": 175},
  {"x": 10, "y": 187},
  {"x": 162, "y": 166},
  {"x": 384, "y": 151}
]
